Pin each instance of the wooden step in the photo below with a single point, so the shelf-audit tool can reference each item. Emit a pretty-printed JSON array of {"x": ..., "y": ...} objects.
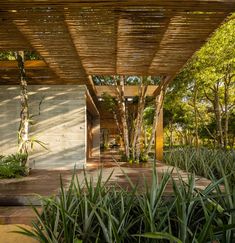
[
  {"x": 17, "y": 215},
  {"x": 19, "y": 200}
]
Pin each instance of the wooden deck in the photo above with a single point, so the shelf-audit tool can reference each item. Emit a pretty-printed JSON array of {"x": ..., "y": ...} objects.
[
  {"x": 16, "y": 195},
  {"x": 47, "y": 182}
]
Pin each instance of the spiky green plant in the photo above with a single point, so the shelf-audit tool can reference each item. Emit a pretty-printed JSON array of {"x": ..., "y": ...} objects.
[
  {"x": 98, "y": 212},
  {"x": 203, "y": 161}
]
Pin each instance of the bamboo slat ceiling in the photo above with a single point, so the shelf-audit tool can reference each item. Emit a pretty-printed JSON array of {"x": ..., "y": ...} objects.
[{"x": 81, "y": 38}]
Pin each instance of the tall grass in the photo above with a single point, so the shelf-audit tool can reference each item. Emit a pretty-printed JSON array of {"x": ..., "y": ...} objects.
[
  {"x": 97, "y": 212},
  {"x": 203, "y": 161}
]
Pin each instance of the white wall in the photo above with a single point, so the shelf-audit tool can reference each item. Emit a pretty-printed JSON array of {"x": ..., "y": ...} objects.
[{"x": 59, "y": 120}]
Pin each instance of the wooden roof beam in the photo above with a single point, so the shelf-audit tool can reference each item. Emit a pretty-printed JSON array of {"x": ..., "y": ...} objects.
[
  {"x": 175, "y": 5},
  {"x": 91, "y": 105},
  {"x": 130, "y": 90},
  {"x": 164, "y": 84},
  {"x": 29, "y": 64},
  {"x": 73, "y": 35}
]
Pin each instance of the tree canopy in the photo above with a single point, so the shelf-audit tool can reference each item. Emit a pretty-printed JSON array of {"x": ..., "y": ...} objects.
[{"x": 201, "y": 100}]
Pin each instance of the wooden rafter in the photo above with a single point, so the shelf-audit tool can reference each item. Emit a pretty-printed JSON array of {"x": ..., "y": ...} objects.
[
  {"x": 130, "y": 90},
  {"x": 29, "y": 64},
  {"x": 81, "y": 38},
  {"x": 183, "y": 5}
]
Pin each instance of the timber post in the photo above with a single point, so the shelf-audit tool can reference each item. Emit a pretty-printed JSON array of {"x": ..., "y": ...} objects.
[{"x": 159, "y": 137}]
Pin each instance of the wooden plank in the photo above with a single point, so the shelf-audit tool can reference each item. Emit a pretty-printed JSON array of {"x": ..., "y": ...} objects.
[
  {"x": 29, "y": 64},
  {"x": 184, "y": 5},
  {"x": 130, "y": 90}
]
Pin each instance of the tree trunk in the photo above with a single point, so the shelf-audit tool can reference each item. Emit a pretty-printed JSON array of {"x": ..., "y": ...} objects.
[
  {"x": 195, "y": 94},
  {"x": 227, "y": 82},
  {"x": 171, "y": 133},
  {"x": 117, "y": 122},
  {"x": 139, "y": 120},
  {"x": 24, "y": 114},
  {"x": 123, "y": 114},
  {"x": 218, "y": 117}
]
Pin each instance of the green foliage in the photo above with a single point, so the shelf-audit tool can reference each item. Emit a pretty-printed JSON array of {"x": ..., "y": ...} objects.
[
  {"x": 203, "y": 161},
  {"x": 129, "y": 80},
  {"x": 149, "y": 115},
  {"x": 96, "y": 212},
  {"x": 12, "y": 166},
  {"x": 192, "y": 96},
  {"x": 10, "y": 55},
  {"x": 143, "y": 158},
  {"x": 109, "y": 102}
]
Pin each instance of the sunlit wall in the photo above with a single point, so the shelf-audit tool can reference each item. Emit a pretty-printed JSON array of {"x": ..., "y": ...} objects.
[{"x": 58, "y": 121}]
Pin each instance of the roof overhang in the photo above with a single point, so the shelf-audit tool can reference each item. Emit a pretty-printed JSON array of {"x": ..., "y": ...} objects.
[{"x": 77, "y": 39}]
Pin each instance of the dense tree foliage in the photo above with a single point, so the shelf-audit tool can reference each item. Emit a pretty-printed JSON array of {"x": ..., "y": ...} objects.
[{"x": 200, "y": 104}]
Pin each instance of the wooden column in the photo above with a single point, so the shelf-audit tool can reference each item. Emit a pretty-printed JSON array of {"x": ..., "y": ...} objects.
[{"x": 159, "y": 137}]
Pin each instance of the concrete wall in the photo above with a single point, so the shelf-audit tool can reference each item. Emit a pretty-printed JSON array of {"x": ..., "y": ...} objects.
[
  {"x": 9, "y": 118},
  {"x": 59, "y": 120}
]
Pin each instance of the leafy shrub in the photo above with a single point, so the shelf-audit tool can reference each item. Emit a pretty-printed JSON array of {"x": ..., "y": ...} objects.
[
  {"x": 12, "y": 166},
  {"x": 96, "y": 212},
  {"x": 142, "y": 159}
]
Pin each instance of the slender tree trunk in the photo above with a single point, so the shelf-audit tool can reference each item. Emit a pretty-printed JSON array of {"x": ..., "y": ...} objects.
[
  {"x": 203, "y": 122},
  {"x": 136, "y": 123},
  {"x": 117, "y": 123},
  {"x": 226, "y": 104},
  {"x": 226, "y": 119},
  {"x": 24, "y": 114},
  {"x": 171, "y": 133},
  {"x": 123, "y": 114},
  {"x": 145, "y": 136},
  {"x": 196, "y": 114},
  {"x": 171, "y": 137},
  {"x": 139, "y": 120},
  {"x": 218, "y": 117}
]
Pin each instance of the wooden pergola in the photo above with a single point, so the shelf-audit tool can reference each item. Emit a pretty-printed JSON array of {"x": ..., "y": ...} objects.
[{"x": 80, "y": 38}]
